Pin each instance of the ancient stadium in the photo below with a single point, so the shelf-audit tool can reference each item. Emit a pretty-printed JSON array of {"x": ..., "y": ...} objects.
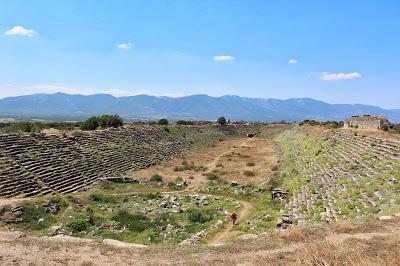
[{"x": 127, "y": 194}]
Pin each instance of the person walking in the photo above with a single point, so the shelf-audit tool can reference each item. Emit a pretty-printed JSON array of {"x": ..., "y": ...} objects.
[{"x": 234, "y": 218}]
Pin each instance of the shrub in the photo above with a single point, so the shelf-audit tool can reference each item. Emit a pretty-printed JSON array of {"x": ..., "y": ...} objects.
[
  {"x": 250, "y": 164},
  {"x": 249, "y": 173},
  {"x": 274, "y": 168},
  {"x": 184, "y": 122},
  {"x": 397, "y": 128},
  {"x": 212, "y": 176},
  {"x": 90, "y": 215},
  {"x": 171, "y": 184},
  {"x": 32, "y": 214},
  {"x": 221, "y": 120},
  {"x": 77, "y": 225},
  {"x": 156, "y": 178},
  {"x": 90, "y": 124},
  {"x": 97, "y": 197},
  {"x": 104, "y": 121},
  {"x": 110, "y": 121},
  {"x": 163, "y": 122},
  {"x": 134, "y": 222},
  {"x": 198, "y": 216},
  {"x": 24, "y": 126}
]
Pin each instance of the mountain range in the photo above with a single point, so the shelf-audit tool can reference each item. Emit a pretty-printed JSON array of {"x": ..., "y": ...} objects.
[{"x": 61, "y": 106}]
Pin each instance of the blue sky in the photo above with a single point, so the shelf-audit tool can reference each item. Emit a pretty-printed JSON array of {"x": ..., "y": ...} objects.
[{"x": 339, "y": 51}]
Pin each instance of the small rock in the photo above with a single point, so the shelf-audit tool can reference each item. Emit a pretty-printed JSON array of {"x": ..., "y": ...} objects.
[
  {"x": 9, "y": 236},
  {"x": 121, "y": 244},
  {"x": 247, "y": 236},
  {"x": 385, "y": 218}
]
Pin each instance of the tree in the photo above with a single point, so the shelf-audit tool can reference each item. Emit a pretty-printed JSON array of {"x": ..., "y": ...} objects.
[
  {"x": 110, "y": 121},
  {"x": 221, "y": 120},
  {"x": 184, "y": 122},
  {"x": 103, "y": 121},
  {"x": 91, "y": 124},
  {"x": 163, "y": 122}
]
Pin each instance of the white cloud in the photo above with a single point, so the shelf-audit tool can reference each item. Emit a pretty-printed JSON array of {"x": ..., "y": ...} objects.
[
  {"x": 19, "y": 30},
  {"x": 89, "y": 91},
  {"x": 54, "y": 89},
  {"x": 223, "y": 58},
  {"x": 292, "y": 61},
  {"x": 339, "y": 76},
  {"x": 125, "y": 46}
]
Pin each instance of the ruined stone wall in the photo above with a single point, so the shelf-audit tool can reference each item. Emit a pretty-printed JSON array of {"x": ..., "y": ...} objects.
[
  {"x": 36, "y": 164},
  {"x": 365, "y": 122}
]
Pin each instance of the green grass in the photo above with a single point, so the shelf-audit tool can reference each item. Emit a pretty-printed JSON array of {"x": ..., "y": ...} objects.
[{"x": 31, "y": 215}]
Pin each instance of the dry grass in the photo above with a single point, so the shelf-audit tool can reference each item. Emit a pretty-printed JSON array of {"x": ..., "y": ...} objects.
[
  {"x": 231, "y": 155},
  {"x": 297, "y": 246},
  {"x": 343, "y": 228},
  {"x": 378, "y": 251},
  {"x": 293, "y": 234}
]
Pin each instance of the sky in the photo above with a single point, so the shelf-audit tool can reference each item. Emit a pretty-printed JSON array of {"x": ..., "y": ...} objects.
[{"x": 336, "y": 51}]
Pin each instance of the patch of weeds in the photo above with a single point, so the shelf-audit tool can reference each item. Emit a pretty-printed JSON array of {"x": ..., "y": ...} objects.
[
  {"x": 171, "y": 184},
  {"x": 211, "y": 176},
  {"x": 77, "y": 224},
  {"x": 101, "y": 198},
  {"x": 31, "y": 216},
  {"x": 249, "y": 173},
  {"x": 196, "y": 215},
  {"x": 186, "y": 166},
  {"x": 156, "y": 178},
  {"x": 250, "y": 164},
  {"x": 275, "y": 168}
]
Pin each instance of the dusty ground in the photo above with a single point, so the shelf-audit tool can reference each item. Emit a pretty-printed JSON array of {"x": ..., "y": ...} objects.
[
  {"x": 230, "y": 156},
  {"x": 376, "y": 243}
]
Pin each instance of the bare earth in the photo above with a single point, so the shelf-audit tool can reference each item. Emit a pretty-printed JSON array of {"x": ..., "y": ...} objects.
[{"x": 232, "y": 154}]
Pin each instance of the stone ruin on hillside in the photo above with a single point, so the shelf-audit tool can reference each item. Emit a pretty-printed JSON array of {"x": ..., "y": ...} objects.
[{"x": 367, "y": 122}]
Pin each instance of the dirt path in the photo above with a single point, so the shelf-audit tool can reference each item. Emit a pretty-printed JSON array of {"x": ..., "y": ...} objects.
[{"x": 229, "y": 231}]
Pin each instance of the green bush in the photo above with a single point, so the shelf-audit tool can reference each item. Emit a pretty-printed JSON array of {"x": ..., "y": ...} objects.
[
  {"x": 171, "y": 184},
  {"x": 397, "y": 128},
  {"x": 249, "y": 173},
  {"x": 104, "y": 121},
  {"x": 221, "y": 120},
  {"x": 91, "y": 124},
  {"x": 31, "y": 216},
  {"x": 156, "y": 178},
  {"x": 163, "y": 122},
  {"x": 97, "y": 197},
  {"x": 77, "y": 225},
  {"x": 184, "y": 122},
  {"x": 198, "y": 216},
  {"x": 212, "y": 176},
  {"x": 110, "y": 121},
  {"x": 134, "y": 222},
  {"x": 24, "y": 127},
  {"x": 250, "y": 164}
]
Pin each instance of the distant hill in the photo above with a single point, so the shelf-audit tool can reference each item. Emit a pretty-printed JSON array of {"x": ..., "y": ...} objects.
[{"x": 196, "y": 107}]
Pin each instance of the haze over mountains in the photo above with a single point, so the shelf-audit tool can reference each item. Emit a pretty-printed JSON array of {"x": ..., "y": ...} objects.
[{"x": 195, "y": 107}]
